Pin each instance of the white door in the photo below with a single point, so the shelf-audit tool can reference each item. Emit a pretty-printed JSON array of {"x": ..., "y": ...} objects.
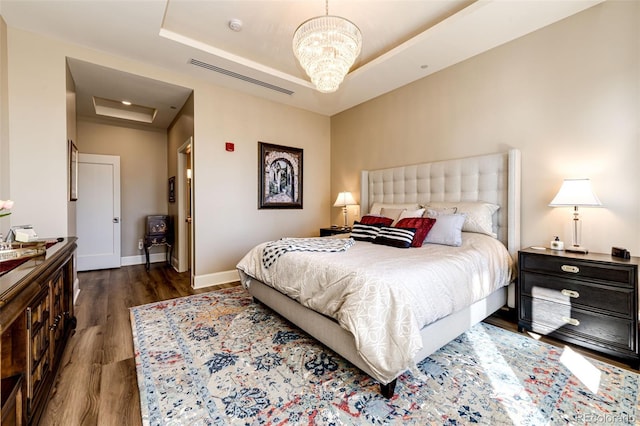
[{"x": 98, "y": 212}]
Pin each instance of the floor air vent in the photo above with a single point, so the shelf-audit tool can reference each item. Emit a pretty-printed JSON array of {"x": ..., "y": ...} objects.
[{"x": 239, "y": 76}]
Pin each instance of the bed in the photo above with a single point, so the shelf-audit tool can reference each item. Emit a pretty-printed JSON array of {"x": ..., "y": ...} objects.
[{"x": 396, "y": 335}]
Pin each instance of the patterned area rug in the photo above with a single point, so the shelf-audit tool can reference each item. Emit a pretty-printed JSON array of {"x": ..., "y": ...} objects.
[{"x": 218, "y": 358}]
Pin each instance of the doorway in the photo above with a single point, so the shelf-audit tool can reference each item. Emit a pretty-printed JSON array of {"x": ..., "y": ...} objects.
[
  {"x": 185, "y": 261},
  {"x": 98, "y": 212}
]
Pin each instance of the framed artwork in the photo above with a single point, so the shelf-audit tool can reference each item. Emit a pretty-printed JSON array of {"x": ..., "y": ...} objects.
[
  {"x": 279, "y": 177},
  {"x": 172, "y": 189},
  {"x": 73, "y": 170}
]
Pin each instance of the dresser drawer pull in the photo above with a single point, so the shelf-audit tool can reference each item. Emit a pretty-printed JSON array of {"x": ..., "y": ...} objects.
[
  {"x": 571, "y": 321},
  {"x": 570, "y": 293},
  {"x": 570, "y": 268}
]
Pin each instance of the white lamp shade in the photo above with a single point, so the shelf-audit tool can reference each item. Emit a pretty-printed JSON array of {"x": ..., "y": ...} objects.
[
  {"x": 344, "y": 199},
  {"x": 575, "y": 192}
]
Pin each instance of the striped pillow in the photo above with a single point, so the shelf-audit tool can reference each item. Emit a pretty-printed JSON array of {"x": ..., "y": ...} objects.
[
  {"x": 362, "y": 232},
  {"x": 395, "y": 237}
]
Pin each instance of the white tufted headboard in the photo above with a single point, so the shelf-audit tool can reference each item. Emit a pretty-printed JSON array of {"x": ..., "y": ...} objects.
[{"x": 493, "y": 178}]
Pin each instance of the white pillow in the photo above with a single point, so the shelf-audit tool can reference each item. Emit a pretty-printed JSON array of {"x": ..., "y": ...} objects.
[
  {"x": 447, "y": 230},
  {"x": 391, "y": 213},
  {"x": 408, "y": 213},
  {"x": 376, "y": 208},
  {"x": 479, "y": 214},
  {"x": 434, "y": 211}
]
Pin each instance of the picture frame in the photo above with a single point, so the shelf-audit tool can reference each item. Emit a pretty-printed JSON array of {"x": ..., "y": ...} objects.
[
  {"x": 73, "y": 170},
  {"x": 172, "y": 189},
  {"x": 279, "y": 176}
]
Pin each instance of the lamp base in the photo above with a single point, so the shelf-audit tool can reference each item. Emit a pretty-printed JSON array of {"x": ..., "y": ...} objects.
[{"x": 576, "y": 249}]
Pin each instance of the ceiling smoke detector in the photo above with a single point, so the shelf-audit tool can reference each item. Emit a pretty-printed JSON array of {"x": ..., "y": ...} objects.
[{"x": 235, "y": 25}]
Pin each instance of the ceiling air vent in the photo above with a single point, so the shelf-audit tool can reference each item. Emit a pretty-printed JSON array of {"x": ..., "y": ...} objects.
[{"x": 239, "y": 76}]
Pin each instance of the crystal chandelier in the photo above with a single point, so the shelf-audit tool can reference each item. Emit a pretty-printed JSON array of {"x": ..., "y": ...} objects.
[{"x": 326, "y": 47}]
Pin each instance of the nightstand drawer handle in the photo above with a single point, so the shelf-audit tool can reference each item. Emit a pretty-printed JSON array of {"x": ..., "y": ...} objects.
[
  {"x": 571, "y": 321},
  {"x": 570, "y": 293},
  {"x": 570, "y": 268}
]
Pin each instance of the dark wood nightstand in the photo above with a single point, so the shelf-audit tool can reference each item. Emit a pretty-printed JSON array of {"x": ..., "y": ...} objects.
[
  {"x": 325, "y": 232},
  {"x": 159, "y": 233},
  {"x": 590, "y": 300}
]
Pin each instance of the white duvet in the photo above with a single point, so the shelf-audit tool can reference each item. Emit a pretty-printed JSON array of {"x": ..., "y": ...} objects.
[{"x": 385, "y": 295}]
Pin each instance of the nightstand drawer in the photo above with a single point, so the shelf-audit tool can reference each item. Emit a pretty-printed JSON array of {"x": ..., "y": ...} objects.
[
  {"x": 547, "y": 317},
  {"x": 603, "y": 298},
  {"x": 574, "y": 268}
]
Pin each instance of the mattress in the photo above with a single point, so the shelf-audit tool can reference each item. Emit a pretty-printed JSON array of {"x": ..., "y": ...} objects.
[{"x": 385, "y": 295}]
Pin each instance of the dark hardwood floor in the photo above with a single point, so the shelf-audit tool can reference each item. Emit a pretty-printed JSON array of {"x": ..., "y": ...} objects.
[
  {"x": 97, "y": 383},
  {"x": 508, "y": 321}
]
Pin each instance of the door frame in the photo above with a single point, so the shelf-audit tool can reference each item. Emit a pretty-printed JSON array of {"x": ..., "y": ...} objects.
[{"x": 183, "y": 227}]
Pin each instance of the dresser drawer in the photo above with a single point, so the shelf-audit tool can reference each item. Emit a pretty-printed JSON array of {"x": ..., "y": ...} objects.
[
  {"x": 545, "y": 317},
  {"x": 603, "y": 298},
  {"x": 579, "y": 269}
]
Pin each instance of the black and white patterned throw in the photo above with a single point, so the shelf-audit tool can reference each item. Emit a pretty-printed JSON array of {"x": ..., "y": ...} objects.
[{"x": 273, "y": 250}]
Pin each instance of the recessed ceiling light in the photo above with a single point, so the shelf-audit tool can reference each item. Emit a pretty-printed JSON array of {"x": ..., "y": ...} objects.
[
  {"x": 126, "y": 103},
  {"x": 424, "y": 67},
  {"x": 115, "y": 109}
]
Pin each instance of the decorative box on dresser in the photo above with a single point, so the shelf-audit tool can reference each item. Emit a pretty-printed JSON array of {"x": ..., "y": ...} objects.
[
  {"x": 590, "y": 300},
  {"x": 36, "y": 320}
]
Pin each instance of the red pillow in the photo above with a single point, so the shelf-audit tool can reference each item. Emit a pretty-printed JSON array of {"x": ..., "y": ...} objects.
[
  {"x": 422, "y": 225},
  {"x": 376, "y": 220}
]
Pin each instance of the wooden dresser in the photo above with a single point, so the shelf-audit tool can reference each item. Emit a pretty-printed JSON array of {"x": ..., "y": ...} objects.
[
  {"x": 36, "y": 319},
  {"x": 589, "y": 300}
]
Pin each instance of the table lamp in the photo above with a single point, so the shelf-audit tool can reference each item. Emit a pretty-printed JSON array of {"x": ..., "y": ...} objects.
[
  {"x": 575, "y": 193},
  {"x": 344, "y": 199}
]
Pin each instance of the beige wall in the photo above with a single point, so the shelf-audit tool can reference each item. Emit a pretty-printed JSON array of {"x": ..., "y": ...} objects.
[
  {"x": 225, "y": 184},
  {"x": 37, "y": 133},
  {"x": 568, "y": 96},
  {"x": 72, "y": 135},
  {"x": 143, "y": 173},
  {"x": 179, "y": 132},
  {"x": 227, "y": 221},
  {"x": 4, "y": 124}
]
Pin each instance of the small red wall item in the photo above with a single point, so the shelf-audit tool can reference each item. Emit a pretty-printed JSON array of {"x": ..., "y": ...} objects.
[{"x": 229, "y": 146}]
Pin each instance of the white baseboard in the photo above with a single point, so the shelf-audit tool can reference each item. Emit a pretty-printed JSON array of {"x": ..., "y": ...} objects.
[
  {"x": 202, "y": 281},
  {"x": 140, "y": 259},
  {"x": 199, "y": 281}
]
